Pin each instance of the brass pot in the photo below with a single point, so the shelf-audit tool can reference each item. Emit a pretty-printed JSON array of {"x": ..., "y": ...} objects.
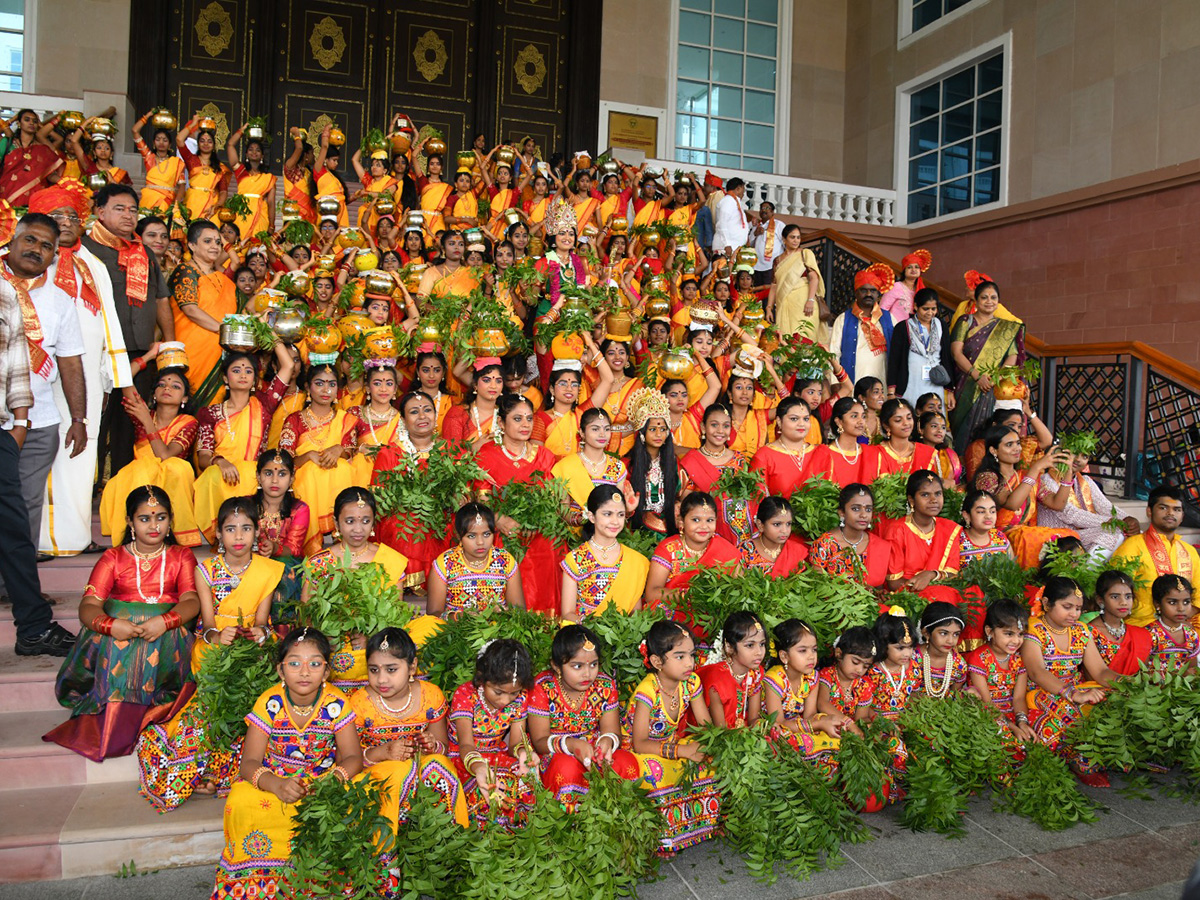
[
  {"x": 268, "y": 298},
  {"x": 225, "y": 216},
  {"x": 746, "y": 256},
  {"x": 572, "y": 303},
  {"x": 289, "y": 209},
  {"x": 351, "y": 237},
  {"x": 416, "y": 272},
  {"x": 490, "y": 342},
  {"x": 401, "y": 141},
  {"x": 435, "y": 147},
  {"x": 337, "y": 137},
  {"x": 70, "y": 120},
  {"x": 465, "y": 159},
  {"x": 164, "y": 119},
  {"x": 619, "y": 323},
  {"x": 236, "y": 334},
  {"x": 329, "y": 205},
  {"x": 378, "y": 283},
  {"x": 658, "y": 307},
  {"x": 256, "y": 133},
  {"x": 618, "y": 225},
  {"x": 354, "y": 323},
  {"x": 96, "y": 180},
  {"x": 506, "y": 156},
  {"x": 657, "y": 282},
  {"x": 609, "y": 167},
  {"x": 651, "y": 239},
  {"x": 385, "y": 206},
  {"x": 206, "y": 123},
  {"x": 677, "y": 363},
  {"x": 326, "y": 262},
  {"x": 288, "y": 323},
  {"x": 753, "y": 315},
  {"x": 428, "y": 333},
  {"x": 300, "y": 283}
]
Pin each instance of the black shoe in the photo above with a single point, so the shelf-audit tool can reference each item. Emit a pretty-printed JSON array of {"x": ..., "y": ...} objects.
[{"x": 54, "y": 641}]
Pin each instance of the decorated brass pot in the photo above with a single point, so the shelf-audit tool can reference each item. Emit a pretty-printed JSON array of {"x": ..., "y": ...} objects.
[
  {"x": 326, "y": 339},
  {"x": 354, "y": 323},
  {"x": 677, "y": 363},
  {"x": 165, "y": 119},
  {"x": 435, "y": 147},
  {"x": 288, "y": 323},
  {"x": 385, "y": 206},
  {"x": 268, "y": 298},
  {"x": 289, "y": 209},
  {"x": 465, "y": 159},
  {"x": 378, "y": 283},
  {"x": 326, "y": 262},
  {"x": 300, "y": 282},
  {"x": 753, "y": 315},
  {"x": 506, "y": 156},
  {"x": 206, "y": 123},
  {"x": 255, "y": 133},
  {"x": 351, "y": 237},
  {"x": 658, "y": 307},
  {"x": 70, "y": 120},
  {"x": 746, "y": 256},
  {"x": 412, "y": 279},
  {"x": 428, "y": 333},
  {"x": 490, "y": 342}
]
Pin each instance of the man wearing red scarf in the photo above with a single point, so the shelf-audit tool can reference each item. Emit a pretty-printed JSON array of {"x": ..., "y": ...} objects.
[
  {"x": 860, "y": 336},
  {"x": 140, "y": 298},
  {"x": 67, "y": 525}
]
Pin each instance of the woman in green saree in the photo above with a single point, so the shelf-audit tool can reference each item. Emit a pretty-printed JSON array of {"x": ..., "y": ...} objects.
[{"x": 980, "y": 339}]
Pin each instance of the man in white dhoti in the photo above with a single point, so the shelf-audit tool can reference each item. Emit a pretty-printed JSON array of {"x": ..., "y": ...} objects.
[{"x": 67, "y": 520}]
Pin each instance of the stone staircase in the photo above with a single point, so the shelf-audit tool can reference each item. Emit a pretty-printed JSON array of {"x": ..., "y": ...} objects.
[{"x": 62, "y": 816}]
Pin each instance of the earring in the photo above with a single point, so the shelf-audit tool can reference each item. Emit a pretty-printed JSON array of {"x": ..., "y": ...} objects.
[
  {"x": 371, "y": 536},
  {"x": 841, "y": 521},
  {"x": 220, "y": 546},
  {"x": 909, "y": 507},
  {"x": 337, "y": 535}
]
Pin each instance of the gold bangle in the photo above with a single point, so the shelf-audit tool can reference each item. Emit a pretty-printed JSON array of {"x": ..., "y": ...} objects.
[{"x": 258, "y": 773}]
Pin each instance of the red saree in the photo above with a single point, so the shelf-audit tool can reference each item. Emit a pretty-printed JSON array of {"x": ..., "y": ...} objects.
[
  {"x": 1125, "y": 656},
  {"x": 540, "y": 572},
  {"x": 831, "y": 463},
  {"x": 784, "y": 471},
  {"x": 735, "y": 518},
  {"x": 404, "y": 533},
  {"x": 870, "y": 569},
  {"x": 789, "y": 561},
  {"x": 682, "y": 567},
  {"x": 881, "y": 459}
]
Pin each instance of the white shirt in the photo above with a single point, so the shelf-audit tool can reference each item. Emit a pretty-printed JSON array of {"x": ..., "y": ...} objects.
[
  {"x": 765, "y": 261},
  {"x": 61, "y": 337},
  {"x": 730, "y": 227}
]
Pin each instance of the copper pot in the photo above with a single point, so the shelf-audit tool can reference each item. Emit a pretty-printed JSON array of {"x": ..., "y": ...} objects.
[
  {"x": 435, "y": 147},
  {"x": 164, "y": 119},
  {"x": 206, "y": 123}
]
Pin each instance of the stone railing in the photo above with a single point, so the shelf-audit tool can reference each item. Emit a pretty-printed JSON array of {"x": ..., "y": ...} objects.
[{"x": 806, "y": 197}]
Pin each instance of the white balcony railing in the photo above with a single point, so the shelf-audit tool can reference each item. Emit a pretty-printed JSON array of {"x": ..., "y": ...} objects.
[{"x": 806, "y": 197}]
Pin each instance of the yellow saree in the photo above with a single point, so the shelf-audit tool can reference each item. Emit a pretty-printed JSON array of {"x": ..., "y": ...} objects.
[
  {"x": 237, "y": 440},
  {"x": 791, "y": 294}
]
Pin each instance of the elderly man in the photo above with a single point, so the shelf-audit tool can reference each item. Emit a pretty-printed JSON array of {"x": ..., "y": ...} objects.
[
  {"x": 67, "y": 528},
  {"x": 860, "y": 336},
  {"x": 39, "y": 340},
  {"x": 140, "y": 297},
  {"x": 730, "y": 228}
]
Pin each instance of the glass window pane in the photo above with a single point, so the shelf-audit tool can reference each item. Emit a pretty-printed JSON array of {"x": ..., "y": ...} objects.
[
  {"x": 760, "y": 107},
  {"x": 693, "y": 63},
  {"x": 760, "y": 73},
  {"x": 728, "y": 34},
  {"x": 726, "y": 67},
  {"x": 759, "y": 139},
  {"x": 925, "y": 12},
  {"x": 988, "y": 111},
  {"x": 731, "y": 7},
  {"x": 958, "y": 87},
  {"x": 761, "y": 39},
  {"x": 12, "y": 52},
  {"x": 958, "y": 123},
  {"x": 952, "y": 5},
  {"x": 922, "y": 171},
  {"x": 991, "y": 73},
  {"x": 695, "y": 157},
  {"x": 726, "y": 102},
  {"x": 923, "y": 136},
  {"x": 924, "y": 102},
  {"x": 691, "y": 131},
  {"x": 691, "y": 96},
  {"x": 987, "y": 187},
  {"x": 729, "y": 160},
  {"x": 955, "y": 196},
  {"x": 922, "y": 205},
  {"x": 704, "y": 5},
  {"x": 987, "y": 149},
  {"x": 725, "y": 135},
  {"x": 753, "y": 164},
  {"x": 694, "y": 28},
  {"x": 956, "y": 160},
  {"x": 763, "y": 10}
]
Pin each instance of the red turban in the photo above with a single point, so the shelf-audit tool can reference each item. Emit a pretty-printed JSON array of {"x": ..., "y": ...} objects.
[
  {"x": 55, "y": 197},
  {"x": 975, "y": 279},
  {"x": 876, "y": 275},
  {"x": 922, "y": 258}
]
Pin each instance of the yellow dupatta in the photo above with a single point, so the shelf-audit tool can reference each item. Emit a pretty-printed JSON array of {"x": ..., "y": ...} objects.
[
  {"x": 240, "y": 605},
  {"x": 289, "y": 404},
  {"x": 579, "y": 481},
  {"x": 255, "y": 187},
  {"x": 629, "y": 583},
  {"x": 363, "y": 465},
  {"x": 562, "y": 438},
  {"x": 238, "y": 437},
  {"x": 623, "y": 434},
  {"x": 608, "y": 207},
  {"x": 329, "y": 186},
  {"x": 201, "y": 195},
  {"x": 433, "y": 201},
  {"x": 161, "y": 178}
]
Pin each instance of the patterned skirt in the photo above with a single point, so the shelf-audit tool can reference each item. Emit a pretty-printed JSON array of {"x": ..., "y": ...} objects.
[
  {"x": 401, "y": 777},
  {"x": 690, "y": 814},
  {"x": 174, "y": 760},
  {"x": 1050, "y": 715}
]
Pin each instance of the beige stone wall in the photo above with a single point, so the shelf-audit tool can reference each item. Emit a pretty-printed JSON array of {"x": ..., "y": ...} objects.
[
  {"x": 817, "y": 89},
  {"x": 1100, "y": 89},
  {"x": 635, "y": 52},
  {"x": 81, "y": 45}
]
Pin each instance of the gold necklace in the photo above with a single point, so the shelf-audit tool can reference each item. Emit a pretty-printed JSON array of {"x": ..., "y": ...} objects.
[
  {"x": 1050, "y": 628},
  {"x": 399, "y": 713},
  {"x": 720, "y": 455},
  {"x": 515, "y": 457},
  {"x": 592, "y": 467},
  {"x": 767, "y": 554},
  {"x": 676, "y": 700}
]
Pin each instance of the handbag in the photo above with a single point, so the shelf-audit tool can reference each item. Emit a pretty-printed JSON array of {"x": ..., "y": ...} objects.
[{"x": 939, "y": 376}]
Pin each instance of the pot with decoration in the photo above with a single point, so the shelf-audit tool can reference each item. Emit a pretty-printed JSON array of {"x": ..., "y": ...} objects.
[
  {"x": 385, "y": 206},
  {"x": 490, "y": 342},
  {"x": 677, "y": 363},
  {"x": 268, "y": 298},
  {"x": 583, "y": 161},
  {"x": 96, "y": 180},
  {"x": 506, "y": 156},
  {"x": 206, "y": 123},
  {"x": 226, "y": 216},
  {"x": 352, "y": 237},
  {"x": 70, "y": 120},
  {"x": 753, "y": 315},
  {"x": 289, "y": 210},
  {"x": 326, "y": 262},
  {"x": 745, "y": 256},
  {"x": 255, "y": 132},
  {"x": 298, "y": 283},
  {"x": 465, "y": 159},
  {"x": 328, "y": 205},
  {"x": 323, "y": 339},
  {"x": 365, "y": 261},
  {"x": 658, "y": 306},
  {"x": 380, "y": 343},
  {"x": 165, "y": 119},
  {"x": 236, "y": 334},
  {"x": 354, "y": 323},
  {"x": 435, "y": 147},
  {"x": 172, "y": 355},
  {"x": 337, "y": 137},
  {"x": 378, "y": 283},
  {"x": 428, "y": 332},
  {"x": 567, "y": 346},
  {"x": 412, "y": 278}
]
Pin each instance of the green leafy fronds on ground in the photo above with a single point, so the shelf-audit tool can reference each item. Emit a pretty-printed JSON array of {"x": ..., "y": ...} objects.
[{"x": 1046, "y": 791}]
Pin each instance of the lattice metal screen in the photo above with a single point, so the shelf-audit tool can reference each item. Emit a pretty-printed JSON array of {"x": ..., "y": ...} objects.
[
  {"x": 1172, "y": 440},
  {"x": 1091, "y": 397}
]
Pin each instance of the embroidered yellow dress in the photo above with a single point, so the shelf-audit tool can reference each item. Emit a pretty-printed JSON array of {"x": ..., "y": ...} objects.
[{"x": 598, "y": 585}]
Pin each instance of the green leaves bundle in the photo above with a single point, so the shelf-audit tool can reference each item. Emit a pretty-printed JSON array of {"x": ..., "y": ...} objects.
[
  {"x": 522, "y": 275},
  {"x": 345, "y": 601},
  {"x": 373, "y": 140},
  {"x": 913, "y": 604},
  {"x": 643, "y": 540},
  {"x": 863, "y": 763},
  {"x": 431, "y": 856},
  {"x": 891, "y": 498},
  {"x": 573, "y": 320},
  {"x": 620, "y": 633},
  {"x": 815, "y": 508},
  {"x": 964, "y": 732},
  {"x": 238, "y": 205},
  {"x": 1085, "y": 570},
  {"x": 933, "y": 802},
  {"x": 758, "y": 793},
  {"x": 337, "y": 838},
  {"x": 231, "y": 678},
  {"x": 997, "y": 575},
  {"x": 952, "y": 502},
  {"x": 299, "y": 231},
  {"x": 741, "y": 484},
  {"x": 448, "y": 658},
  {"x": 802, "y": 356},
  {"x": 485, "y": 314},
  {"x": 427, "y": 493},
  {"x": 537, "y": 507},
  {"x": 1046, "y": 792}
]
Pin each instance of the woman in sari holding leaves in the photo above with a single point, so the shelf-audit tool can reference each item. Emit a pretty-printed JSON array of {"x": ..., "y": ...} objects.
[{"x": 980, "y": 340}]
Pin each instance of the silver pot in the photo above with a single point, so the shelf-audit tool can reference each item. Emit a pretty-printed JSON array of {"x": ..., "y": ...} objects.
[
  {"x": 236, "y": 334},
  {"x": 288, "y": 323}
]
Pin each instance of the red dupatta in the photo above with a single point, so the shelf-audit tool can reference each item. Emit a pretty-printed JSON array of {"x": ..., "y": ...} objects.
[
  {"x": 735, "y": 518},
  {"x": 1135, "y": 650}
]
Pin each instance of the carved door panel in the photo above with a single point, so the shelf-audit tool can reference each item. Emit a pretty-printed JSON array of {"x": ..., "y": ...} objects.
[
  {"x": 431, "y": 67},
  {"x": 326, "y": 53},
  {"x": 212, "y": 43},
  {"x": 528, "y": 53}
]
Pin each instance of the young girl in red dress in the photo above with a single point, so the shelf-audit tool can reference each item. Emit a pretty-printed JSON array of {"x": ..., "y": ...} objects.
[
  {"x": 575, "y": 717},
  {"x": 996, "y": 671},
  {"x": 1175, "y": 645},
  {"x": 1122, "y": 645},
  {"x": 773, "y": 548},
  {"x": 940, "y": 666},
  {"x": 487, "y": 734},
  {"x": 733, "y": 686}
]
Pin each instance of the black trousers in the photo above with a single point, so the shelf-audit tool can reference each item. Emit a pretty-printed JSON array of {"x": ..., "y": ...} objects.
[
  {"x": 116, "y": 428},
  {"x": 18, "y": 558}
]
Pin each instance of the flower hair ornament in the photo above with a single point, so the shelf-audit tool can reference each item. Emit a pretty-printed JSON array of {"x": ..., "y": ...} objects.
[
  {"x": 483, "y": 649},
  {"x": 901, "y": 612},
  {"x": 644, "y": 653}
]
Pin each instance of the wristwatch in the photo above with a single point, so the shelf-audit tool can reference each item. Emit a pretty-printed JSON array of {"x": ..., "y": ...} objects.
[
  {"x": 20, "y": 423},
  {"x": 78, "y": 420}
]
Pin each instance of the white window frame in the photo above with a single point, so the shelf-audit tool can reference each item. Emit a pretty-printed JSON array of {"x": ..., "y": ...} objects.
[
  {"x": 26, "y": 46},
  {"x": 904, "y": 121},
  {"x": 905, "y": 34},
  {"x": 783, "y": 85}
]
